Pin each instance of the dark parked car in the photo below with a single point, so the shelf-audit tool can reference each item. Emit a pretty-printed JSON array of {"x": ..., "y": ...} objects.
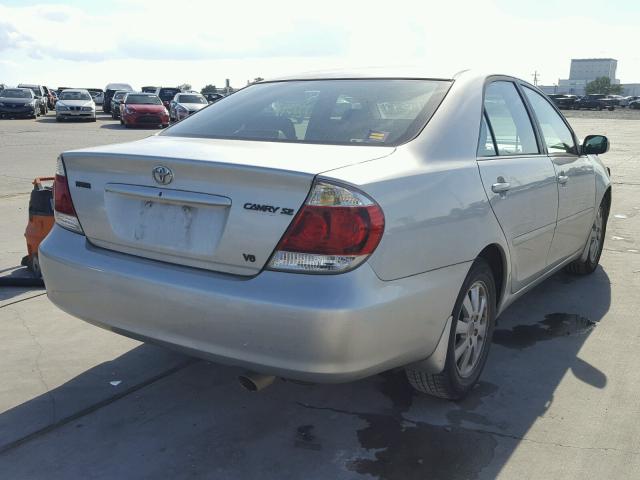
[
  {"x": 18, "y": 102},
  {"x": 108, "y": 94},
  {"x": 595, "y": 101},
  {"x": 40, "y": 95},
  {"x": 563, "y": 101},
  {"x": 166, "y": 94},
  {"x": 635, "y": 104},
  {"x": 213, "y": 97},
  {"x": 115, "y": 103}
]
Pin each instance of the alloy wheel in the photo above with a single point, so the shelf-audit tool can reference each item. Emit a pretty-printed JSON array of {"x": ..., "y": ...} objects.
[
  {"x": 596, "y": 237},
  {"x": 471, "y": 329}
]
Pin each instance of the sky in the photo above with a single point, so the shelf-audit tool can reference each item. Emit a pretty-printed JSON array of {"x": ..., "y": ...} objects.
[{"x": 89, "y": 43}]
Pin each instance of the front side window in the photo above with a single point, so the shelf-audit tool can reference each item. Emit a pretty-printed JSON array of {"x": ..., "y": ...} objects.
[
  {"x": 509, "y": 120},
  {"x": 338, "y": 112},
  {"x": 555, "y": 132}
]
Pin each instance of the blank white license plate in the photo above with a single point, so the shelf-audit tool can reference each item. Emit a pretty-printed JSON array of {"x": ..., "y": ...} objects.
[{"x": 183, "y": 229}]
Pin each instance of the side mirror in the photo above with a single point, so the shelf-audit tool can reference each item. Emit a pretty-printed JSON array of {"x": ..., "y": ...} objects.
[{"x": 595, "y": 145}]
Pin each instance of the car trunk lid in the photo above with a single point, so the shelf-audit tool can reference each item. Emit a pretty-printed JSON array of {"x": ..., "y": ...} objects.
[{"x": 221, "y": 205}]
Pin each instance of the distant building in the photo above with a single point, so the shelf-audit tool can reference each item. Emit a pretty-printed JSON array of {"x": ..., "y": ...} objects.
[
  {"x": 588, "y": 69},
  {"x": 583, "y": 71},
  {"x": 629, "y": 89}
]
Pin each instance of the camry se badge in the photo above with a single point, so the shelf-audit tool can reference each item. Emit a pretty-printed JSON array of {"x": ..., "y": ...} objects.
[
  {"x": 162, "y": 175},
  {"x": 268, "y": 208}
]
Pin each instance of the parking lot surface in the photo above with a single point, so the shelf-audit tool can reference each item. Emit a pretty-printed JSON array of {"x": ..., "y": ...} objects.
[{"x": 558, "y": 398}]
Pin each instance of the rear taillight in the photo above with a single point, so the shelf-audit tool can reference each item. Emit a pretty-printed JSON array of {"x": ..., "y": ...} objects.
[
  {"x": 336, "y": 230},
  {"x": 63, "y": 210}
]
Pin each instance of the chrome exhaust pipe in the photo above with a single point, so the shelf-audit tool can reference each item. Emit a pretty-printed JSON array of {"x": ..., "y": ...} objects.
[{"x": 254, "y": 382}]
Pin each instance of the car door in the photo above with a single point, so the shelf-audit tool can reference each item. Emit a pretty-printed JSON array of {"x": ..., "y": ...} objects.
[
  {"x": 519, "y": 180},
  {"x": 575, "y": 176}
]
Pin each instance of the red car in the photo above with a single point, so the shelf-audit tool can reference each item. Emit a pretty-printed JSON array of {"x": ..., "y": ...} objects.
[{"x": 143, "y": 109}]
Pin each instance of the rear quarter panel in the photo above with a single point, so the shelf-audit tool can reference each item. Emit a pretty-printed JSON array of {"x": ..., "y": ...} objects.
[{"x": 436, "y": 210}]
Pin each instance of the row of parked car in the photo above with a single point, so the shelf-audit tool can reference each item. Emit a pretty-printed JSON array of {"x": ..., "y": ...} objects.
[
  {"x": 595, "y": 101},
  {"x": 152, "y": 105},
  {"x": 26, "y": 100}
]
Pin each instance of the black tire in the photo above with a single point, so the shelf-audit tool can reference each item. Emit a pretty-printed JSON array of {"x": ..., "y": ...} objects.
[
  {"x": 587, "y": 266},
  {"x": 449, "y": 383},
  {"x": 164, "y": 125}
]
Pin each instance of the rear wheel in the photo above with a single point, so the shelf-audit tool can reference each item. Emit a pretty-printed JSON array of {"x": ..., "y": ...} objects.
[
  {"x": 595, "y": 244},
  {"x": 469, "y": 339}
]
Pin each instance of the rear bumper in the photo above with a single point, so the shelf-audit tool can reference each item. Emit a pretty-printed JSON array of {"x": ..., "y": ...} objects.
[{"x": 326, "y": 328}]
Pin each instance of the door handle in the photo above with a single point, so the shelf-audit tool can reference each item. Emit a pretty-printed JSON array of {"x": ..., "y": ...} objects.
[
  {"x": 501, "y": 186},
  {"x": 562, "y": 178}
]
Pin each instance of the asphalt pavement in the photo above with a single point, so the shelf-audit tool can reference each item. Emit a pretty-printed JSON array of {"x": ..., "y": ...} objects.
[{"x": 558, "y": 399}]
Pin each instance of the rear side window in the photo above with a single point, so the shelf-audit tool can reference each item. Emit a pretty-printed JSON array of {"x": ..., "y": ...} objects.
[
  {"x": 353, "y": 112},
  {"x": 509, "y": 120},
  {"x": 555, "y": 132},
  {"x": 486, "y": 147}
]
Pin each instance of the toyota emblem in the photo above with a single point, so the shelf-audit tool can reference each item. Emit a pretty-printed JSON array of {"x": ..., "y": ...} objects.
[{"x": 162, "y": 175}]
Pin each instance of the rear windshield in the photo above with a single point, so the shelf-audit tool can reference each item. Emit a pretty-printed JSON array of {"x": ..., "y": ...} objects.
[
  {"x": 143, "y": 100},
  {"x": 74, "y": 96},
  {"x": 168, "y": 93},
  {"x": 16, "y": 93},
  {"x": 368, "y": 112},
  {"x": 191, "y": 99}
]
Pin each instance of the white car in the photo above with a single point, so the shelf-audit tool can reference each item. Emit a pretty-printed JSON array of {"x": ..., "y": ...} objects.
[
  {"x": 75, "y": 104},
  {"x": 332, "y": 226}
]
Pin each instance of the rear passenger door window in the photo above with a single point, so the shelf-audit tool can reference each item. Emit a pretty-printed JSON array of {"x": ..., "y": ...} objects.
[
  {"x": 556, "y": 134},
  {"x": 486, "y": 147},
  {"x": 509, "y": 120}
]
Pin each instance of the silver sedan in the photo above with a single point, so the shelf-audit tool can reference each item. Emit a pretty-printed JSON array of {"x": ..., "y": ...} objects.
[
  {"x": 330, "y": 227},
  {"x": 75, "y": 104}
]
